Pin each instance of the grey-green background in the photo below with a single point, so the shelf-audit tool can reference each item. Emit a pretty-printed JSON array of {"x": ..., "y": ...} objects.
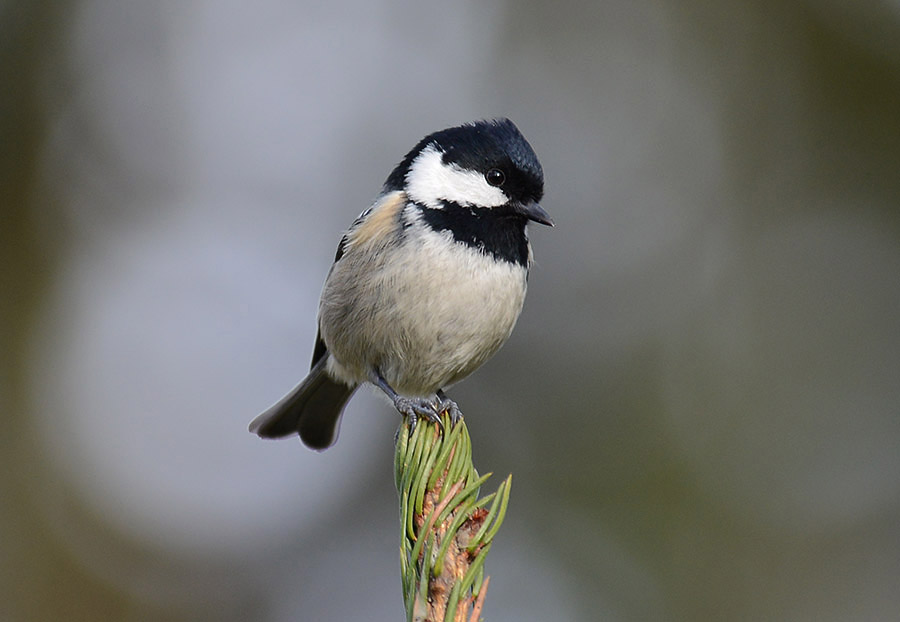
[{"x": 700, "y": 405}]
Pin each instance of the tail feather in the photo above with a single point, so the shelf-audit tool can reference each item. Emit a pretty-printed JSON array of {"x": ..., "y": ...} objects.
[{"x": 312, "y": 409}]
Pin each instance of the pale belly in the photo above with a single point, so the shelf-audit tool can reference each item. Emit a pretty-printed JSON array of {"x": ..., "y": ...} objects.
[{"x": 423, "y": 323}]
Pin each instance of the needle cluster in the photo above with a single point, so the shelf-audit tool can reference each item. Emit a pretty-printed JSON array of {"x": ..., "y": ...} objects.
[{"x": 446, "y": 530}]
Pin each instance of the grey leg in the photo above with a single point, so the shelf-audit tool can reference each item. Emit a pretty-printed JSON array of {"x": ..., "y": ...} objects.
[{"x": 413, "y": 408}]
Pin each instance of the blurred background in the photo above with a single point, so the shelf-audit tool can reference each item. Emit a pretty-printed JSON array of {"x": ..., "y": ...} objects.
[{"x": 700, "y": 404}]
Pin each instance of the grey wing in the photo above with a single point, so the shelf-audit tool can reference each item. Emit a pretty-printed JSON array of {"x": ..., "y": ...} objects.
[
  {"x": 320, "y": 349},
  {"x": 393, "y": 202}
]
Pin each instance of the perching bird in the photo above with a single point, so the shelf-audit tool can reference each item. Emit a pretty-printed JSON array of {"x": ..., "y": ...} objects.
[{"x": 427, "y": 283}]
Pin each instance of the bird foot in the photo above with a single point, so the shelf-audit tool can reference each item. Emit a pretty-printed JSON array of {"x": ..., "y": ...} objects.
[
  {"x": 413, "y": 408},
  {"x": 444, "y": 404}
]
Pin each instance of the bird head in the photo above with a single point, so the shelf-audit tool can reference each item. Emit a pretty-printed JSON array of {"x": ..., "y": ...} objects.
[{"x": 482, "y": 165}]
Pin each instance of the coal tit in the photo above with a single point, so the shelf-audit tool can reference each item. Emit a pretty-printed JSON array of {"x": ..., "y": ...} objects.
[{"x": 427, "y": 283}]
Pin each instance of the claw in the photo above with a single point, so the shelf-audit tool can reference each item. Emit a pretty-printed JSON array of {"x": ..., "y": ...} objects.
[
  {"x": 413, "y": 408},
  {"x": 445, "y": 404}
]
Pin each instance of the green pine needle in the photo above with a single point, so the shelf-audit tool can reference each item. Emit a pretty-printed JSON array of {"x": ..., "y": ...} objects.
[{"x": 446, "y": 532}]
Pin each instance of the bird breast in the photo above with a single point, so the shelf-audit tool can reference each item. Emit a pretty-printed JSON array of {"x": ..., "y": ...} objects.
[{"x": 422, "y": 309}]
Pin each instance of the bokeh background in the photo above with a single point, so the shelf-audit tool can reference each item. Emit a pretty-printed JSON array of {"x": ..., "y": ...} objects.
[{"x": 700, "y": 404}]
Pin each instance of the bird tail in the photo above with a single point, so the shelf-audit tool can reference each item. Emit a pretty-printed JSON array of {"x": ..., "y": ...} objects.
[{"x": 312, "y": 409}]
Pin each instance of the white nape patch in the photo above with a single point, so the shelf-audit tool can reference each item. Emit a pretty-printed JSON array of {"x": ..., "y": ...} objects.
[{"x": 429, "y": 181}]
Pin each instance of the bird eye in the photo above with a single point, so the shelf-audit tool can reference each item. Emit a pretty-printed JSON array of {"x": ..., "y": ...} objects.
[{"x": 495, "y": 177}]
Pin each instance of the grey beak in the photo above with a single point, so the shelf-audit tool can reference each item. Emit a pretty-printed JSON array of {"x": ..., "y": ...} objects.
[{"x": 533, "y": 211}]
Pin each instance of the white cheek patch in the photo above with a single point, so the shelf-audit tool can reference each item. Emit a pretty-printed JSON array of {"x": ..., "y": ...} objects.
[{"x": 429, "y": 181}]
